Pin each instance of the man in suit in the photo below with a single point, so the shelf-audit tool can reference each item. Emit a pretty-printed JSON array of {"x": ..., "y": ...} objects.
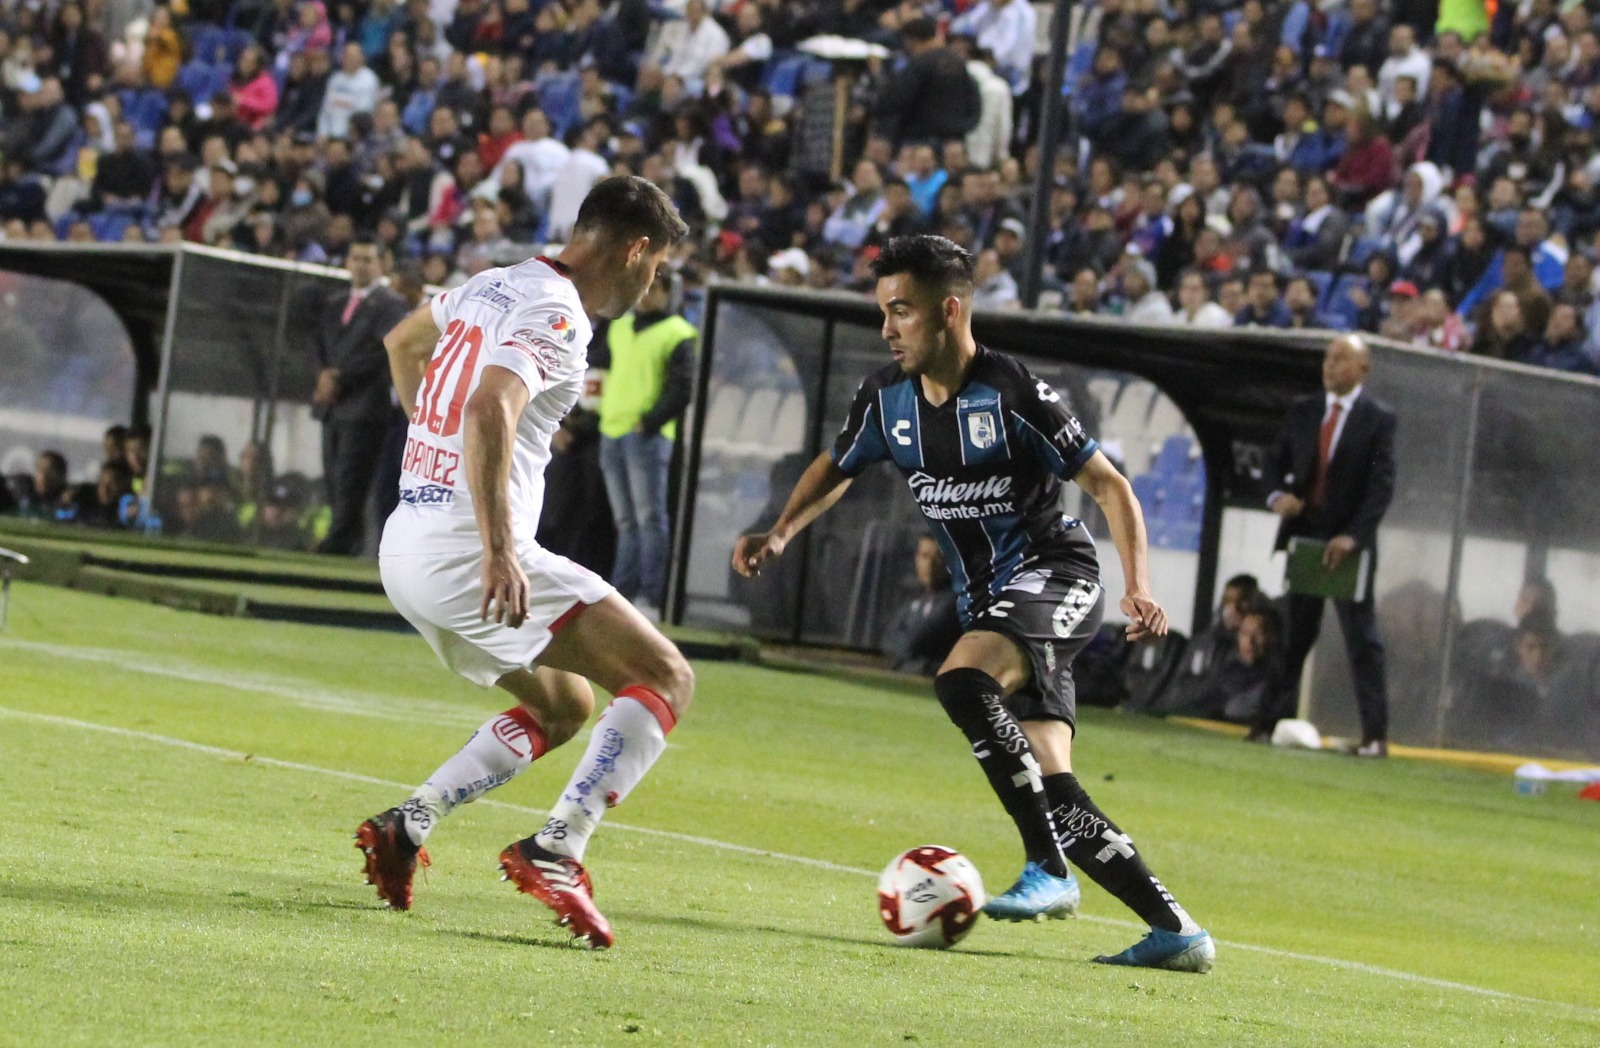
[
  {"x": 1332, "y": 476},
  {"x": 352, "y": 399}
]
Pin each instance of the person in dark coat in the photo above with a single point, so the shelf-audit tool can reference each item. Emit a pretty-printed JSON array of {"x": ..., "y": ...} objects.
[
  {"x": 1332, "y": 477},
  {"x": 352, "y": 397},
  {"x": 933, "y": 97}
]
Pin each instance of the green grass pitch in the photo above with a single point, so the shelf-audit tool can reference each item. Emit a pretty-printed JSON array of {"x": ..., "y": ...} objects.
[{"x": 176, "y": 868}]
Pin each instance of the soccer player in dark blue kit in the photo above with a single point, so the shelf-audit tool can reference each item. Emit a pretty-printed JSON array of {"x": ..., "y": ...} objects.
[{"x": 985, "y": 447}]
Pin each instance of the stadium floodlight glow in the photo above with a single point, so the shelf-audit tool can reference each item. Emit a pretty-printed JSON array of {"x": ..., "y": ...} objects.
[{"x": 8, "y": 558}]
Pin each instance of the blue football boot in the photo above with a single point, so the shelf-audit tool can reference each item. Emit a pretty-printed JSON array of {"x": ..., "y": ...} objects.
[
  {"x": 1170, "y": 950},
  {"x": 1036, "y": 895}
]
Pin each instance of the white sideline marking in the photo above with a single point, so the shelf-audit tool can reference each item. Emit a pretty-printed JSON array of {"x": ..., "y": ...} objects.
[
  {"x": 311, "y": 698},
  {"x": 237, "y": 755}
]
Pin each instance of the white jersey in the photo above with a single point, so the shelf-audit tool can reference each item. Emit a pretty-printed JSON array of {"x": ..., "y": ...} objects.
[{"x": 527, "y": 319}]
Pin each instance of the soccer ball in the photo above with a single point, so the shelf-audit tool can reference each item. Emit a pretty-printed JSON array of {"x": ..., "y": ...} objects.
[{"x": 930, "y": 897}]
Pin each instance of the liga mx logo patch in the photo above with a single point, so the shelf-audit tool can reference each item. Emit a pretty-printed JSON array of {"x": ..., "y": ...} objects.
[
  {"x": 981, "y": 430},
  {"x": 563, "y": 327}
]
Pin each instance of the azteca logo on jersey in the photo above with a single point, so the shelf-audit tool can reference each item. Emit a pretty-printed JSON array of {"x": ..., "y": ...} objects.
[
  {"x": 563, "y": 327},
  {"x": 941, "y": 499}
]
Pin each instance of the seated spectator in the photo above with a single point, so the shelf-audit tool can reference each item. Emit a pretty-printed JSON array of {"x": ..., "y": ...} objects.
[
  {"x": 1504, "y": 334},
  {"x": 1402, "y": 319},
  {"x": 686, "y": 47},
  {"x": 1195, "y": 307},
  {"x": 922, "y": 632},
  {"x": 255, "y": 92},
  {"x": 994, "y": 287},
  {"x": 1263, "y": 306},
  {"x": 124, "y": 179},
  {"x": 1300, "y": 299},
  {"x": 1563, "y": 346},
  {"x": 1368, "y": 166},
  {"x": 1316, "y": 239},
  {"x": 1142, "y": 303},
  {"x": 932, "y": 97},
  {"x": 1439, "y": 327},
  {"x": 1083, "y": 294},
  {"x": 1393, "y": 215},
  {"x": 854, "y": 218}
]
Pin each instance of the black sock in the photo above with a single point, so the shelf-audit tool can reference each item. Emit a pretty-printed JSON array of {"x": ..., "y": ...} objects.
[
  {"x": 1105, "y": 854},
  {"x": 972, "y": 698}
]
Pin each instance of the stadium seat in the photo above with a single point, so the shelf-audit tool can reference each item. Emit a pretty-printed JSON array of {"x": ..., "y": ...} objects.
[
  {"x": 1322, "y": 281},
  {"x": 1363, "y": 249}
]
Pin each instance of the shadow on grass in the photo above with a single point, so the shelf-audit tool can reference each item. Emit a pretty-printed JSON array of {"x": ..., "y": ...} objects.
[
  {"x": 709, "y": 924},
  {"x": 509, "y": 940}
]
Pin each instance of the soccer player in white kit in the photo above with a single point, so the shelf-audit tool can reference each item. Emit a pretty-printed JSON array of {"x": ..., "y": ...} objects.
[{"x": 488, "y": 370}]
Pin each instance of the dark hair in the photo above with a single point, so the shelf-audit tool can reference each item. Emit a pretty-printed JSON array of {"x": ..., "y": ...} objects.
[
  {"x": 366, "y": 240},
  {"x": 56, "y": 459},
  {"x": 1265, "y": 272},
  {"x": 140, "y": 432},
  {"x": 1546, "y": 599},
  {"x": 920, "y": 29},
  {"x": 118, "y": 432},
  {"x": 119, "y": 469},
  {"x": 1249, "y": 583},
  {"x": 626, "y": 207},
  {"x": 1540, "y": 622},
  {"x": 935, "y": 263}
]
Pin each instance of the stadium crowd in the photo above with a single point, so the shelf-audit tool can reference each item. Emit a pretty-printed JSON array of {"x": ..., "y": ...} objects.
[{"x": 1273, "y": 162}]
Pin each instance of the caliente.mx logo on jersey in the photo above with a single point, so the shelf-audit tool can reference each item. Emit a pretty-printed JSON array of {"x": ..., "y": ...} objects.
[
  {"x": 563, "y": 327},
  {"x": 944, "y": 499}
]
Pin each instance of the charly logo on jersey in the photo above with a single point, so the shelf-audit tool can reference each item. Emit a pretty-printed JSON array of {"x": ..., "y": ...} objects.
[
  {"x": 495, "y": 296},
  {"x": 563, "y": 327},
  {"x": 942, "y": 499},
  {"x": 982, "y": 430}
]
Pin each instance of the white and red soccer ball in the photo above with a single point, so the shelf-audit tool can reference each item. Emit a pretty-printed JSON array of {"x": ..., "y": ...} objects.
[{"x": 930, "y": 897}]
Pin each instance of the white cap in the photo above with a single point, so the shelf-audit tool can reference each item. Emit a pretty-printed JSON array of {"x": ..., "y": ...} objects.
[{"x": 791, "y": 258}]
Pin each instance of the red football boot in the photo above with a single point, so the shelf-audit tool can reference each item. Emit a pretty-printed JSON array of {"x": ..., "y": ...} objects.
[
  {"x": 391, "y": 857},
  {"x": 561, "y": 884}
]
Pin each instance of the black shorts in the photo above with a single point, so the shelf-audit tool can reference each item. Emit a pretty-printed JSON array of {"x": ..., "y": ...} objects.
[{"x": 1050, "y": 611}]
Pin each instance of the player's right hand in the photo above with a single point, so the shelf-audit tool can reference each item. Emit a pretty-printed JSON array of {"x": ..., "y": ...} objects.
[
  {"x": 505, "y": 590},
  {"x": 752, "y": 551}
]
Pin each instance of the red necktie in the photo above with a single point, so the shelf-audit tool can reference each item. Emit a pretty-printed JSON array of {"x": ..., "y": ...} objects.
[
  {"x": 1330, "y": 426},
  {"x": 350, "y": 306}
]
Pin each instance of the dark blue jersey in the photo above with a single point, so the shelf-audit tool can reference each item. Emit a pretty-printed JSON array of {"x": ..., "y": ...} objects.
[{"x": 985, "y": 467}]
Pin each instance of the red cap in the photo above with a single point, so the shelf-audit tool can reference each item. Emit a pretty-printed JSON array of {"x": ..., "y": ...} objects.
[{"x": 1404, "y": 289}]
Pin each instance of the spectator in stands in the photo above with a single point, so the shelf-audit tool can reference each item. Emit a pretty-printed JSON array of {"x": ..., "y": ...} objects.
[
  {"x": 1439, "y": 327},
  {"x": 922, "y": 631},
  {"x": 855, "y": 217},
  {"x": 255, "y": 92},
  {"x": 687, "y": 48},
  {"x": 933, "y": 97},
  {"x": 646, "y": 389},
  {"x": 541, "y": 157},
  {"x": 352, "y": 396},
  {"x": 22, "y": 194},
  {"x": 1315, "y": 239},
  {"x": 1083, "y": 294},
  {"x": 1504, "y": 335},
  {"x": 1195, "y": 307},
  {"x": 124, "y": 179},
  {"x": 1563, "y": 345},
  {"x": 1368, "y": 166},
  {"x": 1300, "y": 301},
  {"x": 78, "y": 55},
  {"x": 1143, "y": 304},
  {"x": 1403, "y": 316},
  {"x": 1263, "y": 305},
  {"x": 994, "y": 287},
  {"x": 1467, "y": 261},
  {"x": 353, "y": 89}
]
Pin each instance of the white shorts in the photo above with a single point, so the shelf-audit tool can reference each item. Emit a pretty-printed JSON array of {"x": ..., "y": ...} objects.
[{"x": 440, "y": 594}]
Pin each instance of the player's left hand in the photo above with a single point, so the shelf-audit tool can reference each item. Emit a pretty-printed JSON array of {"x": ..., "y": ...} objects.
[
  {"x": 505, "y": 590},
  {"x": 1146, "y": 618},
  {"x": 1339, "y": 549}
]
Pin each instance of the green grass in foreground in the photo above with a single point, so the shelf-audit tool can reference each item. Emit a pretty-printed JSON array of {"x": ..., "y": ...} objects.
[{"x": 154, "y": 894}]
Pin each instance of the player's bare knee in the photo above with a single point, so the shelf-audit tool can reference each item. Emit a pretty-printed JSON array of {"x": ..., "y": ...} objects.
[
  {"x": 668, "y": 674},
  {"x": 560, "y": 726}
]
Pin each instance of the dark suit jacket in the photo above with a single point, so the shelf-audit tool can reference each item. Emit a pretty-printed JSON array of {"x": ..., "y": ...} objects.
[
  {"x": 1360, "y": 474},
  {"x": 356, "y": 349}
]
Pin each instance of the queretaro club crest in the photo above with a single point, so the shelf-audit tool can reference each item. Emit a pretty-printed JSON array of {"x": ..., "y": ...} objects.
[{"x": 981, "y": 430}]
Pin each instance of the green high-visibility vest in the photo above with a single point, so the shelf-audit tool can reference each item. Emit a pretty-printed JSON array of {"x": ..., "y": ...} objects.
[{"x": 638, "y": 371}]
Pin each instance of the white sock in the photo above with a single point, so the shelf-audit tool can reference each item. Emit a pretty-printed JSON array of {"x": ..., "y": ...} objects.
[
  {"x": 626, "y": 741},
  {"x": 506, "y": 744}
]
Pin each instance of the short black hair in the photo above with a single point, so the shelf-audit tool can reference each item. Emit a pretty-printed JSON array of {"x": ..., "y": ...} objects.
[
  {"x": 1248, "y": 583},
  {"x": 920, "y": 29},
  {"x": 626, "y": 207},
  {"x": 1540, "y": 622},
  {"x": 367, "y": 239},
  {"x": 56, "y": 459},
  {"x": 935, "y": 263}
]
